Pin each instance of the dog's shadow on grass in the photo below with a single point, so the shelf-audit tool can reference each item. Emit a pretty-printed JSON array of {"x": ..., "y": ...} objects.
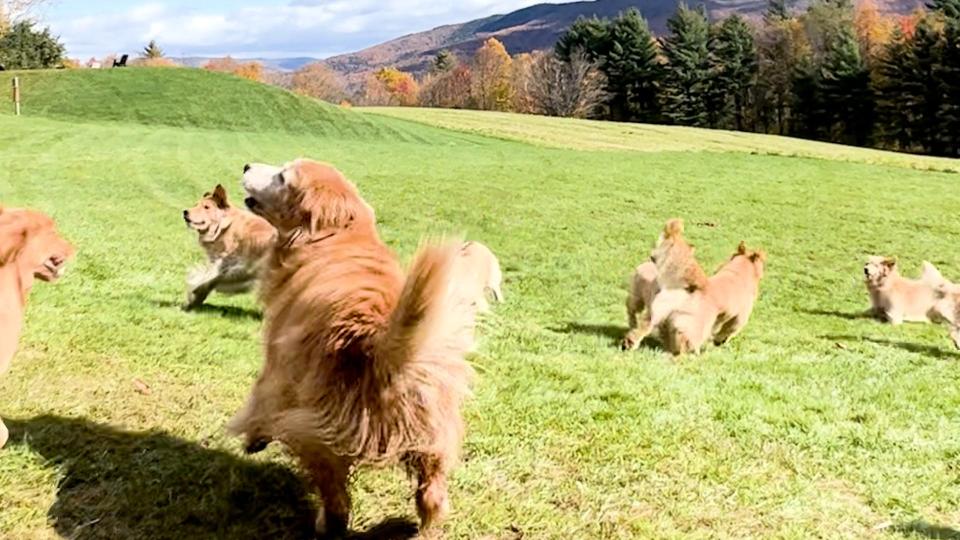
[
  {"x": 940, "y": 353},
  {"x": 850, "y": 316},
  {"x": 926, "y": 530},
  {"x": 613, "y": 333},
  {"x": 119, "y": 484},
  {"x": 230, "y": 312}
]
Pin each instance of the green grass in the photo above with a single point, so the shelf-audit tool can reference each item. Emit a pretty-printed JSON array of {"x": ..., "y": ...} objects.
[
  {"x": 576, "y": 134},
  {"x": 814, "y": 423}
]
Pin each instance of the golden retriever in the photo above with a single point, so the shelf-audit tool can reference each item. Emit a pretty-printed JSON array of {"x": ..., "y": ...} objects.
[
  {"x": 643, "y": 289},
  {"x": 236, "y": 243},
  {"x": 30, "y": 249},
  {"x": 719, "y": 311},
  {"x": 895, "y": 299},
  {"x": 365, "y": 365},
  {"x": 677, "y": 267},
  {"x": 480, "y": 273}
]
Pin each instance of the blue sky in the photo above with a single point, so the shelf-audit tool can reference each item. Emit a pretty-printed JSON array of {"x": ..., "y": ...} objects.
[{"x": 252, "y": 28}]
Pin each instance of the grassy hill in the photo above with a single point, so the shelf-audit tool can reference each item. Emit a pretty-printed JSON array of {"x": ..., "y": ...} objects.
[
  {"x": 185, "y": 98},
  {"x": 814, "y": 423}
]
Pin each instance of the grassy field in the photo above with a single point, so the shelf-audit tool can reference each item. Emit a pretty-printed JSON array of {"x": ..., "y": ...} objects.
[{"x": 815, "y": 423}]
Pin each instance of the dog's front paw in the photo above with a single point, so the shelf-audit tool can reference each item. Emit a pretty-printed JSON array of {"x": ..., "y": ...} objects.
[
  {"x": 256, "y": 446},
  {"x": 330, "y": 526}
]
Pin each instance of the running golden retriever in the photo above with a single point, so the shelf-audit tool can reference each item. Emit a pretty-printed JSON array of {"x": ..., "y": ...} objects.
[
  {"x": 365, "y": 364},
  {"x": 30, "y": 249},
  {"x": 896, "y": 299}
]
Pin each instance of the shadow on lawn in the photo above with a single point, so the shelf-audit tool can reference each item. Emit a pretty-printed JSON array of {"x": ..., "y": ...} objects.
[
  {"x": 231, "y": 312},
  {"x": 926, "y": 530},
  {"x": 119, "y": 484},
  {"x": 855, "y": 316},
  {"x": 933, "y": 351},
  {"x": 613, "y": 333}
]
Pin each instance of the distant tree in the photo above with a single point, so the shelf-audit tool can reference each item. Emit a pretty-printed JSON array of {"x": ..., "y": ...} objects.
[
  {"x": 12, "y": 11},
  {"x": 443, "y": 62},
  {"x": 318, "y": 81},
  {"x": 733, "y": 53},
  {"x": 776, "y": 11},
  {"x": 25, "y": 47},
  {"x": 806, "y": 114},
  {"x": 390, "y": 86},
  {"x": 521, "y": 82},
  {"x": 491, "y": 76},
  {"x": 587, "y": 35},
  {"x": 573, "y": 88},
  {"x": 448, "y": 90},
  {"x": 949, "y": 8},
  {"x": 633, "y": 69},
  {"x": 899, "y": 91},
  {"x": 928, "y": 50},
  {"x": 949, "y": 81},
  {"x": 688, "y": 78},
  {"x": 845, "y": 91},
  {"x": 152, "y": 50},
  {"x": 248, "y": 70},
  {"x": 874, "y": 30}
]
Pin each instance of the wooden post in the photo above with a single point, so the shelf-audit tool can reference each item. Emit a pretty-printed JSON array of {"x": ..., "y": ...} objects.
[{"x": 16, "y": 95}]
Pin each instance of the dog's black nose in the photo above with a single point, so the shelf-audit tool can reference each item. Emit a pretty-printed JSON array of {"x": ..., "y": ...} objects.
[{"x": 246, "y": 168}]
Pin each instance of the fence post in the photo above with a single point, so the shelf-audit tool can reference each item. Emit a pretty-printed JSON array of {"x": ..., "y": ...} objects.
[{"x": 16, "y": 95}]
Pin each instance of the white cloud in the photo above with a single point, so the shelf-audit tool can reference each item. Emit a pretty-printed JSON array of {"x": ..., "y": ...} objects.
[{"x": 300, "y": 27}]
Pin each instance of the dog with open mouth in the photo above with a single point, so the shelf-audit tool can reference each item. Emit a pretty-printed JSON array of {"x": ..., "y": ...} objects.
[
  {"x": 236, "y": 242},
  {"x": 31, "y": 249},
  {"x": 364, "y": 363}
]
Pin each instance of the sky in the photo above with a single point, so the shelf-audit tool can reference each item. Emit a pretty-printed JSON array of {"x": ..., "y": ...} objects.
[{"x": 252, "y": 28}]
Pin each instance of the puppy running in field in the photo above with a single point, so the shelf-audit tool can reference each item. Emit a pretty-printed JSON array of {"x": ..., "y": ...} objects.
[
  {"x": 365, "y": 363},
  {"x": 480, "y": 273},
  {"x": 236, "y": 243},
  {"x": 672, "y": 266},
  {"x": 30, "y": 249},
  {"x": 719, "y": 311},
  {"x": 947, "y": 307},
  {"x": 895, "y": 299}
]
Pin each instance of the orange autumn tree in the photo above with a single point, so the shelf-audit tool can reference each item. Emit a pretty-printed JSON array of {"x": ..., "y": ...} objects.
[
  {"x": 390, "y": 86},
  {"x": 248, "y": 70},
  {"x": 874, "y": 29},
  {"x": 491, "y": 77}
]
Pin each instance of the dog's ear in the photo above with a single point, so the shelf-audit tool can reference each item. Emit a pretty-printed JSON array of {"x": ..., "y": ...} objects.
[
  {"x": 889, "y": 262},
  {"x": 219, "y": 197},
  {"x": 673, "y": 229},
  {"x": 758, "y": 256},
  {"x": 12, "y": 241},
  {"x": 742, "y": 248},
  {"x": 330, "y": 201}
]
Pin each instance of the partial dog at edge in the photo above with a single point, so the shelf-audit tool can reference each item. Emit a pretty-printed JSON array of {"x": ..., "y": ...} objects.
[
  {"x": 480, "y": 273},
  {"x": 30, "y": 249},
  {"x": 236, "y": 242},
  {"x": 365, "y": 363}
]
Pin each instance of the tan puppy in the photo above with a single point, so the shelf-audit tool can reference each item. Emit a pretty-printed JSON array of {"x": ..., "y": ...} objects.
[
  {"x": 236, "y": 243},
  {"x": 30, "y": 249},
  {"x": 895, "y": 299},
  {"x": 947, "y": 308},
  {"x": 644, "y": 288},
  {"x": 677, "y": 267},
  {"x": 481, "y": 273},
  {"x": 364, "y": 363},
  {"x": 686, "y": 320}
]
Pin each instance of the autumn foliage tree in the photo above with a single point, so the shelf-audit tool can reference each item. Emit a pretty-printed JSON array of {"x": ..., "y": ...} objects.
[
  {"x": 391, "y": 87},
  {"x": 318, "y": 81},
  {"x": 448, "y": 89},
  {"x": 491, "y": 77},
  {"x": 574, "y": 88},
  {"x": 248, "y": 70}
]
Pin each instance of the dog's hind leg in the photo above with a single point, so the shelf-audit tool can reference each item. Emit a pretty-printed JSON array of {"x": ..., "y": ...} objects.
[
  {"x": 729, "y": 330},
  {"x": 330, "y": 477},
  {"x": 639, "y": 320},
  {"x": 200, "y": 283},
  {"x": 433, "y": 503}
]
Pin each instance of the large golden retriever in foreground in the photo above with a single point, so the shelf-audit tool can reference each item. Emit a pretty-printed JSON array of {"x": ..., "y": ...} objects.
[
  {"x": 364, "y": 363},
  {"x": 719, "y": 311},
  {"x": 237, "y": 244},
  {"x": 30, "y": 249}
]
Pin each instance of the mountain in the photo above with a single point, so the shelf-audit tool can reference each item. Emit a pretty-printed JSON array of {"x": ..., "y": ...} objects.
[
  {"x": 275, "y": 64},
  {"x": 535, "y": 28}
]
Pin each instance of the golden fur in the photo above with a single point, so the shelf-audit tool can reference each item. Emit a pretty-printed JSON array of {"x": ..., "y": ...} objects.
[
  {"x": 718, "y": 311},
  {"x": 236, "y": 242},
  {"x": 480, "y": 272},
  {"x": 30, "y": 249},
  {"x": 643, "y": 289},
  {"x": 364, "y": 363},
  {"x": 895, "y": 299},
  {"x": 677, "y": 267},
  {"x": 947, "y": 307}
]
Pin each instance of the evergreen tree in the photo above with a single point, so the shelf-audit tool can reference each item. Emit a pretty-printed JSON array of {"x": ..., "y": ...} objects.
[
  {"x": 928, "y": 52},
  {"x": 899, "y": 90},
  {"x": 152, "y": 50},
  {"x": 949, "y": 8},
  {"x": 23, "y": 47},
  {"x": 734, "y": 57},
  {"x": 776, "y": 11},
  {"x": 632, "y": 68},
  {"x": 805, "y": 107},
  {"x": 588, "y": 35},
  {"x": 949, "y": 80},
  {"x": 443, "y": 62},
  {"x": 688, "y": 79},
  {"x": 846, "y": 96}
]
